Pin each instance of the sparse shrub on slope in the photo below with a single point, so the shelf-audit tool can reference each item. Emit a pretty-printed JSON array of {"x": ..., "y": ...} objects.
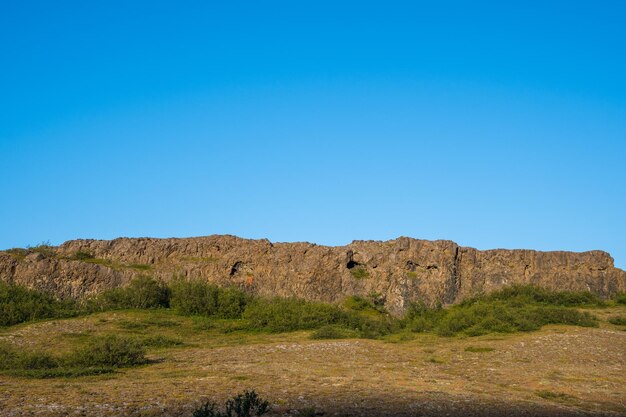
[
  {"x": 101, "y": 355},
  {"x": 19, "y": 304},
  {"x": 523, "y": 294},
  {"x": 142, "y": 292},
  {"x": 197, "y": 297},
  {"x": 620, "y": 298},
  {"x": 288, "y": 314},
  {"x": 111, "y": 350},
  {"x": 519, "y": 308}
]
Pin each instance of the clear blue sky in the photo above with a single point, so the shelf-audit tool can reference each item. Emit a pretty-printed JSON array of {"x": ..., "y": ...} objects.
[{"x": 489, "y": 124}]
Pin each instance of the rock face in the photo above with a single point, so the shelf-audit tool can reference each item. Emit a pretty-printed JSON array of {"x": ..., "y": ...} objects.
[{"x": 396, "y": 271}]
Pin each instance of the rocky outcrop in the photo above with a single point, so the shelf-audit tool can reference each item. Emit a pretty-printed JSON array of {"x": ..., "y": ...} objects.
[{"x": 396, "y": 271}]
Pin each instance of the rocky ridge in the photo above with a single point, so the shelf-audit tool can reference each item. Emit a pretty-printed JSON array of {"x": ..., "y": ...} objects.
[{"x": 395, "y": 271}]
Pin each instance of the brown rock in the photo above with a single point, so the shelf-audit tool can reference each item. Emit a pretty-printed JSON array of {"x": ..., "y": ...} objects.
[{"x": 398, "y": 271}]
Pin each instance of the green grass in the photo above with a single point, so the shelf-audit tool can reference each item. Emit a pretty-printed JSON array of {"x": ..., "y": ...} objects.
[{"x": 554, "y": 396}]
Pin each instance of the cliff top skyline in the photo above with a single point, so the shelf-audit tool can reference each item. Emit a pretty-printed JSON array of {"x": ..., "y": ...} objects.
[{"x": 490, "y": 125}]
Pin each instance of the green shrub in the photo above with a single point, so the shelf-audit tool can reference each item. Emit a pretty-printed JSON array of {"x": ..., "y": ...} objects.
[
  {"x": 81, "y": 255},
  {"x": 101, "y": 355},
  {"x": 17, "y": 253},
  {"x": 202, "y": 298},
  {"x": 620, "y": 298},
  {"x": 373, "y": 303},
  {"x": 289, "y": 314},
  {"x": 19, "y": 304},
  {"x": 333, "y": 332},
  {"x": 43, "y": 248},
  {"x": 110, "y": 351},
  {"x": 523, "y": 294},
  {"x": 618, "y": 320},
  {"x": 248, "y": 404},
  {"x": 513, "y": 309},
  {"x": 142, "y": 292},
  {"x": 359, "y": 273}
]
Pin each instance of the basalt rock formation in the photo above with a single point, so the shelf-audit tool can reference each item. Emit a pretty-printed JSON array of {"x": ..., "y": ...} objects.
[{"x": 396, "y": 271}]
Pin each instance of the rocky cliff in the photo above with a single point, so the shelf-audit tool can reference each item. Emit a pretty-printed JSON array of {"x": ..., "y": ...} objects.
[{"x": 396, "y": 271}]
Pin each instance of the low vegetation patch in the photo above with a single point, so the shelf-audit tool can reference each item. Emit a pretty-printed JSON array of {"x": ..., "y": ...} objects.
[
  {"x": 247, "y": 404},
  {"x": 554, "y": 396},
  {"x": 334, "y": 332},
  {"x": 201, "y": 298},
  {"x": 142, "y": 292},
  {"x": 359, "y": 272},
  {"x": 101, "y": 355},
  {"x": 519, "y": 308},
  {"x": 618, "y": 320},
  {"x": 19, "y": 304},
  {"x": 620, "y": 298}
]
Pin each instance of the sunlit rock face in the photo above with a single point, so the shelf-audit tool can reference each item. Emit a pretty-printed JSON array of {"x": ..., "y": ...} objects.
[{"x": 395, "y": 272}]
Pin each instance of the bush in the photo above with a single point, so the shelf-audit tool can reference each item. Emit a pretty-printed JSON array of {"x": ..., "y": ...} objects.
[
  {"x": 142, "y": 292},
  {"x": 333, "y": 332},
  {"x": 522, "y": 294},
  {"x": 289, "y": 314},
  {"x": 101, "y": 355},
  {"x": 81, "y": 255},
  {"x": 112, "y": 351},
  {"x": 512, "y": 309},
  {"x": 205, "y": 299},
  {"x": 359, "y": 273},
  {"x": 618, "y": 320},
  {"x": 43, "y": 248},
  {"x": 247, "y": 404},
  {"x": 19, "y": 304},
  {"x": 620, "y": 298}
]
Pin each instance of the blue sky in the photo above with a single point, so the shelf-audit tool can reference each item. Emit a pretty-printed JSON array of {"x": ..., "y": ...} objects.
[{"x": 488, "y": 124}]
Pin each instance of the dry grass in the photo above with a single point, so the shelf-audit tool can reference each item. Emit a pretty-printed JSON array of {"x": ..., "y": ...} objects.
[{"x": 555, "y": 371}]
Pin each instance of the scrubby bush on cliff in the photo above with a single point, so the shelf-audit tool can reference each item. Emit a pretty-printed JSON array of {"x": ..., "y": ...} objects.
[
  {"x": 202, "y": 298},
  {"x": 19, "y": 304},
  {"x": 142, "y": 292}
]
